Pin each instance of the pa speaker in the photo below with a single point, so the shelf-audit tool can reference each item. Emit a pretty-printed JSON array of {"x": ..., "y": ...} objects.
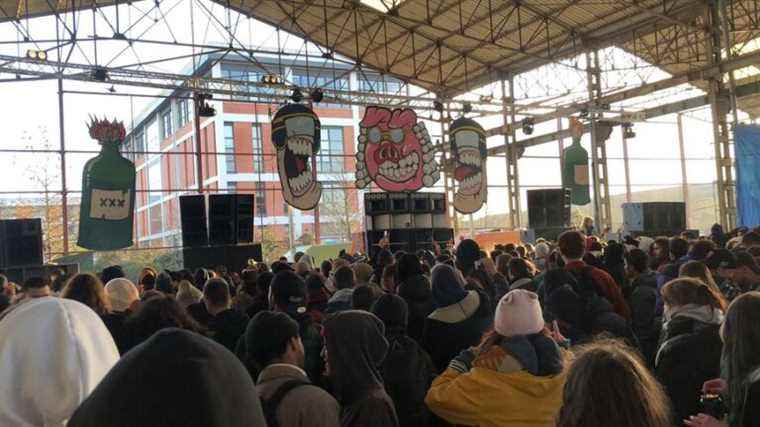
[
  {"x": 421, "y": 203},
  {"x": 222, "y": 219},
  {"x": 655, "y": 218},
  {"x": 244, "y": 218},
  {"x": 234, "y": 257},
  {"x": 20, "y": 242},
  {"x": 376, "y": 203},
  {"x": 399, "y": 202},
  {"x": 549, "y": 208},
  {"x": 192, "y": 211}
]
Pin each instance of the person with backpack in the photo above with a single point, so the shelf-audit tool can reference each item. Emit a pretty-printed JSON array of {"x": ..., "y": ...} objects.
[
  {"x": 288, "y": 398},
  {"x": 572, "y": 248}
]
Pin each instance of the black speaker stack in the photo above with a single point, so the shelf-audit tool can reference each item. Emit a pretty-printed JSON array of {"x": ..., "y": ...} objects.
[
  {"x": 411, "y": 220},
  {"x": 21, "y": 251},
  {"x": 549, "y": 213},
  {"x": 218, "y": 230},
  {"x": 654, "y": 218}
]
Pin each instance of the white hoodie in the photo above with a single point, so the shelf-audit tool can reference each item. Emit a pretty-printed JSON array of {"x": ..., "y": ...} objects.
[{"x": 53, "y": 352}]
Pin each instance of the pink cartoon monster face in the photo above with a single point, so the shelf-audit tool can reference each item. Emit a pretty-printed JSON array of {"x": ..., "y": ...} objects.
[{"x": 394, "y": 151}]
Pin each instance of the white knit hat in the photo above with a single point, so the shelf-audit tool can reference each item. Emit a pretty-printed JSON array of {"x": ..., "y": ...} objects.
[
  {"x": 518, "y": 313},
  {"x": 122, "y": 293}
]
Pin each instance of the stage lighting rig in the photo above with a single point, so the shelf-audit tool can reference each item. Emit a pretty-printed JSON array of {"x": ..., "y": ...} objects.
[
  {"x": 39, "y": 55},
  {"x": 296, "y": 96},
  {"x": 628, "y": 132},
  {"x": 527, "y": 125},
  {"x": 316, "y": 95}
]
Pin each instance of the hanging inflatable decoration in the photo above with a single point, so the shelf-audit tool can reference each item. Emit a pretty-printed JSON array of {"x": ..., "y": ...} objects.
[
  {"x": 575, "y": 170},
  {"x": 296, "y": 136},
  {"x": 468, "y": 148},
  {"x": 108, "y": 191},
  {"x": 394, "y": 151}
]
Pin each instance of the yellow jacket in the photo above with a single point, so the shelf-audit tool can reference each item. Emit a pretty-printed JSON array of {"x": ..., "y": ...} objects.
[{"x": 485, "y": 397}]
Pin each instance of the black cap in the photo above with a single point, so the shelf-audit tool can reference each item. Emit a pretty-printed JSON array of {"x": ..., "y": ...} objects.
[{"x": 289, "y": 292}]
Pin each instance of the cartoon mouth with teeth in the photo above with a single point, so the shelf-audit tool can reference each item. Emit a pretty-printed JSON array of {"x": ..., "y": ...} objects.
[
  {"x": 394, "y": 151},
  {"x": 296, "y": 136},
  {"x": 468, "y": 146}
]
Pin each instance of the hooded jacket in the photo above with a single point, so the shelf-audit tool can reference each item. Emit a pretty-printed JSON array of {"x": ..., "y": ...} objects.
[
  {"x": 150, "y": 387},
  {"x": 306, "y": 405},
  {"x": 517, "y": 383},
  {"x": 419, "y": 298},
  {"x": 53, "y": 352},
  {"x": 644, "y": 321},
  {"x": 407, "y": 370},
  {"x": 356, "y": 347}
]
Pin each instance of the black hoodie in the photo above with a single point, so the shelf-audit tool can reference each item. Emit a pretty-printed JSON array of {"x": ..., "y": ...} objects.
[
  {"x": 175, "y": 378},
  {"x": 419, "y": 298},
  {"x": 356, "y": 347}
]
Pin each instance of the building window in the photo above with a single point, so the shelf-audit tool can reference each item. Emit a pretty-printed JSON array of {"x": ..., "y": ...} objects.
[
  {"x": 330, "y": 158},
  {"x": 139, "y": 145},
  {"x": 260, "y": 200},
  {"x": 156, "y": 225},
  {"x": 166, "y": 123},
  {"x": 154, "y": 182},
  {"x": 153, "y": 144},
  {"x": 231, "y": 187},
  {"x": 229, "y": 147},
  {"x": 258, "y": 151},
  {"x": 183, "y": 112}
]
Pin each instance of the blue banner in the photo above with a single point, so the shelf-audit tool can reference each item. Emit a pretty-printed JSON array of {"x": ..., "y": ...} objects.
[{"x": 747, "y": 148}]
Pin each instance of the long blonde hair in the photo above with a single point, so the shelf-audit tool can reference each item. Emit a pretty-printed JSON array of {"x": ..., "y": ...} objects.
[{"x": 698, "y": 270}]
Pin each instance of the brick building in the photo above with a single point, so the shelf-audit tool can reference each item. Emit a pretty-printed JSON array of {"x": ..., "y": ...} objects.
[{"x": 237, "y": 155}]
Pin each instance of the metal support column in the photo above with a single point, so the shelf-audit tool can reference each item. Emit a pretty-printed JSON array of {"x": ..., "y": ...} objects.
[
  {"x": 64, "y": 191},
  {"x": 720, "y": 102},
  {"x": 197, "y": 102},
  {"x": 560, "y": 145},
  {"x": 602, "y": 209},
  {"x": 513, "y": 177},
  {"x": 682, "y": 158},
  {"x": 449, "y": 184},
  {"x": 626, "y": 166}
]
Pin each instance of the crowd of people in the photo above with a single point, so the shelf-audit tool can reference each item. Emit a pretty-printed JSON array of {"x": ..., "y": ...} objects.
[{"x": 578, "y": 332}]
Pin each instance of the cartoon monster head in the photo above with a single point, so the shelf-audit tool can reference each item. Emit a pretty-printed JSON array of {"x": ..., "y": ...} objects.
[
  {"x": 295, "y": 134},
  {"x": 394, "y": 151},
  {"x": 468, "y": 148}
]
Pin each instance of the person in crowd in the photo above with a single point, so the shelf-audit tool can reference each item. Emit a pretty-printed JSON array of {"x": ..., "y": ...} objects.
[
  {"x": 699, "y": 270},
  {"x": 272, "y": 344},
  {"x": 88, "y": 289},
  {"x": 58, "y": 279},
  {"x": 587, "y": 227},
  {"x": 225, "y": 324},
  {"x": 679, "y": 254},
  {"x": 414, "y": 288},
  {"x": 718, "y": 237},
  {"x": 111, "y": 272},
  {"x": 34, "y": 287},
  {"x": 248, "y": 291},
  {"x": 201, "y": 276},
  {"x": 614, "y": 264},
  {"x": 165, "y": 284},
  {"x": 482, "y": 281},
  {"x": 522, "y": 252},
  {"x": 383, "y": 259},
  {"x": 5, "y": 303},
  {"x": 740, "y": 381},
  {"x": 571, "y": 246},
  {"x": 362, "y": 298},
  {"x": 184, "y": 380},
  {"x": 741, "y": 272},
  {"x": 55, "y": 351},
  {"x": 690, "y": 352},
  {"x": 580, "y": 312},
  {"x": 124, "y": 298},
  {"x": 659, "y": 254},
  {"x": 542, "y": 252},
  {"x": 344, "y": 281},
  {"x": 459, "y": 319},
  {"x": 388, "y": 281},
  {"x": 467, "y": 253},
  {"x": 317, "y": 298},
  {"x": 407, "y": 370},
  {"x": 521, "y": 276},
  {"x": 187, "y": 294},
  {"x": 289, "y": 296},
  {"x": 643, "y": 302},
  {"x": 501, "y": 277},
  {"x": 303, "y": 268},
  {"x": 608, "y": 385},
  {"x": 514, "y": 377},
  {"x": 363, "y": 273},
  {"x": 261, "y": 299},
  {"x": 154, "y": 314},
  {"x": 594, "y": 251},
  {"x": 355, "y": 347},
  {"x": 326, "y": 268}
]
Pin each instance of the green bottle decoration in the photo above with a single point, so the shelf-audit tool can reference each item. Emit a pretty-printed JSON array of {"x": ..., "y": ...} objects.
[
  {"x": 575, "y": 170},
  {"x": 108, "y": 191}
]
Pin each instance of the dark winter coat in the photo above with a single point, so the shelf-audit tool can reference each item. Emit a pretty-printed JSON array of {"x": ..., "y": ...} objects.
[
  {"x": 751, "y": 416},
  {"x": 419, "y": 298},
  {"x": 115, "y": 323},
  {"x": 689, "y": 356},
  {"x": 227, "y": 327},
  {"x": 645, "y": 323},
  {"x": 451, "y": 329},
  {"x": 408, "y": 372}
]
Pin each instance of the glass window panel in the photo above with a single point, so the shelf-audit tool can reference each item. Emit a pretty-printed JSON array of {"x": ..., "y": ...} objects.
[{"x": 229, "y": 147}]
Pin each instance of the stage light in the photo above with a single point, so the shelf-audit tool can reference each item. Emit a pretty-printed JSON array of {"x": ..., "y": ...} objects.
[
  {"x": 467, "y": 107},
  {"x": 628, "y": 132},
  {"x": 316, "y": 95},
  {"x": 584, "y": 113},
  {"x": 527, "y": 125},
  {"x": 40, "y": 55},
  {"x": 100, "y": 75},
  {"x": 438, "y": 106},
  {"x": 296, "y": 96},
  {"x": 327, "y": 55},
  {"x": 112, "y": 89},
  {"x": 206, "y": 110},
  {"x": 271, "y": 79},
  {"x": 486, "y": 98}
]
